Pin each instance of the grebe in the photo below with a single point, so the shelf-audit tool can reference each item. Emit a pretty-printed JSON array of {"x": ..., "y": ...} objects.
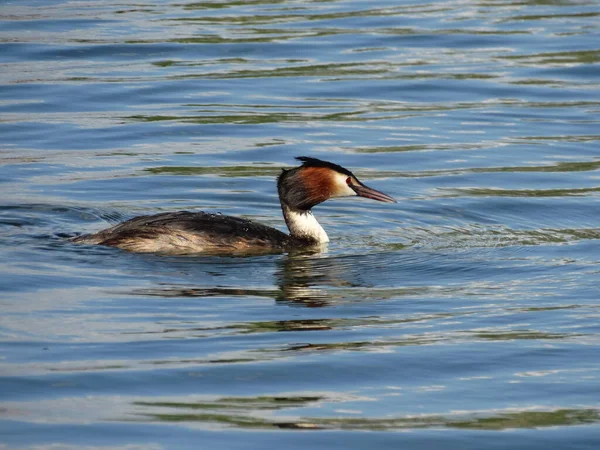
[{"x": 300, "y": 189}]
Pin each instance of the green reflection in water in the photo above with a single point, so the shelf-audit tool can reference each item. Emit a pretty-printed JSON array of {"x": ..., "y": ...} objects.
[
  {"x": 229, "y": 172},
  {"x": 323, "y": 70},
  {"x": 571, "y": 57},
  {"x": 169, "y": 62},
  {"x": 524, "y": 334},
  {"x": 552, "y": 16},
  {"x": 319, "y": 70},
  {"x": 232, "y": 414},
  {"x": 250, "y": 118},
  {"x": 233, "y": 3},
  {"x": 242, "y": 403},
  {"x": 305, "y": 14},
  {"x": 424, "y": 339},
  {"x": 574, "y": 166},
  {"x": 481, "y": 192},
  {"x": 330, "y": 324},
  {"x": 567, "y": 138}
]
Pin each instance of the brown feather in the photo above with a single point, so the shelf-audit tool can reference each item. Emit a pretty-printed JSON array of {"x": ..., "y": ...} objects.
[{"x": 318, "y": 184}]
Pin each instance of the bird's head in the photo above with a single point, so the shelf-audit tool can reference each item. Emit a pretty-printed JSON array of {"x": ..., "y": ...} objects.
[{"x": 315, "y": 181}]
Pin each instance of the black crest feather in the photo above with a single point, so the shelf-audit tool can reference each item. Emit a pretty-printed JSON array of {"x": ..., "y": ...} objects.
[{"x": 307, "y": 161}]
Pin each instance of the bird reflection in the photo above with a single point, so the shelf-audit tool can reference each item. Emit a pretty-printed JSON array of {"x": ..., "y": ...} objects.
[
  {"x": 305, "y": 279},
  {"x": 313, "y": 281}
]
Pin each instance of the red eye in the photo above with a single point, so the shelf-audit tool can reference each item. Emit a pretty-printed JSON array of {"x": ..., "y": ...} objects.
[{"x": 349, "y": 181}]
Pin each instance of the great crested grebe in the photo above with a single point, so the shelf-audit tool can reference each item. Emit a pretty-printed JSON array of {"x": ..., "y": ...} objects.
[{"x": 300, "y": 189}]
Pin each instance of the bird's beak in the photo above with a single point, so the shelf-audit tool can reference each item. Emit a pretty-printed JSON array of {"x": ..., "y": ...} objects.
[{"x": 365, "y": 191}]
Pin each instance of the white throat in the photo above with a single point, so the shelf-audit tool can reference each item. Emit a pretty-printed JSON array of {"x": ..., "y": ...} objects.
[{"x": 303, "y": 225}]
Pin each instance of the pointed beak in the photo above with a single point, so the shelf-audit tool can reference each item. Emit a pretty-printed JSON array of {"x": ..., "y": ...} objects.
[{"x": 365, "y": 191}]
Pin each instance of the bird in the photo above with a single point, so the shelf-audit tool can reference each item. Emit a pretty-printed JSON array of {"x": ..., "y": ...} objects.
[{"x": 183, "y": 232}]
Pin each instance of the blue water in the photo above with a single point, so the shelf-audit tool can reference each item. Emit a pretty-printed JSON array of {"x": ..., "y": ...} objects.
[{"x": 465, "y": 316}]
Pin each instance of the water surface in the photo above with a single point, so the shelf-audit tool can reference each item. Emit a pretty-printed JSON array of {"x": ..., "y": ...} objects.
[{"x": 465, "y": 316}]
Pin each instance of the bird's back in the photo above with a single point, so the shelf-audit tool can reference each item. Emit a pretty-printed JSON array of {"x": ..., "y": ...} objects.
[{"x": 190, "y": 232}]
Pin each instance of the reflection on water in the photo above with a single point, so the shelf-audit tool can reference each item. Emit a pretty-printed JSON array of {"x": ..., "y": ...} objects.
[
  {"x": 284, "y": 412},
  {"x": 498, "y": 421},
  {"x": 298, "y": 279},
  {"x": 467, "y": 309},
  {"x": 312, "y": 281}
]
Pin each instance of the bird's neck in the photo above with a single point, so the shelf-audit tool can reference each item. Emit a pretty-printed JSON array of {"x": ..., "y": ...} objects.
[{"x": 303, "y": 225}]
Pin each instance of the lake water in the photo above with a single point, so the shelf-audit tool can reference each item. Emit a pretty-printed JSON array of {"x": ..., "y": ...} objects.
[{"x": 465, "y": 316}]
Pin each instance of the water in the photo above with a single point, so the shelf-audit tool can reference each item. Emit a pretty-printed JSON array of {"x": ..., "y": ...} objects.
[{"x": 465, "y": 316}]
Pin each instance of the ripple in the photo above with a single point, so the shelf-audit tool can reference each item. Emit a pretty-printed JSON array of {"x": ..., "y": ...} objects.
[{"x": 481, "y": 118}]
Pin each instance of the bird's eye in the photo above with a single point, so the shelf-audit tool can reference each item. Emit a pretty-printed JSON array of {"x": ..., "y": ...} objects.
[{"x": 349, "y": 181}]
